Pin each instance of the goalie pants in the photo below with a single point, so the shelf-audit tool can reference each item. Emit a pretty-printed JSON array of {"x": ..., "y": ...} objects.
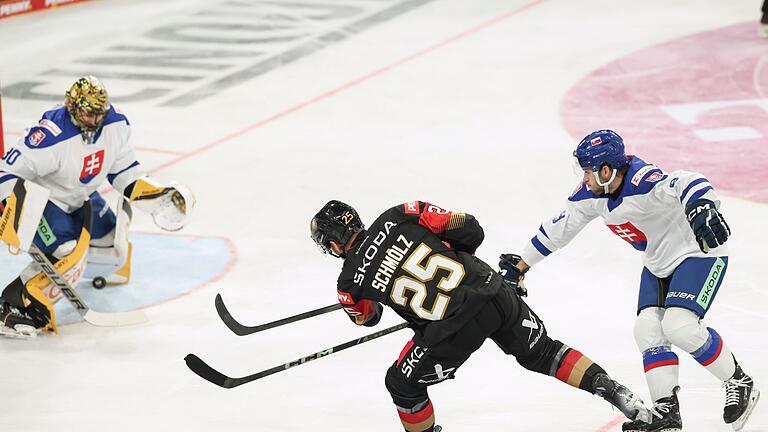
[
  {"x": 58, "y": 227},
  {"x": 513, "y": 326}
]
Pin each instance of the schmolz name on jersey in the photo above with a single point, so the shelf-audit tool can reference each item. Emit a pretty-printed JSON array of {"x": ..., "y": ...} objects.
[
  {"x": 392, "y": 258},
  {"x": 372, "y": 250}
]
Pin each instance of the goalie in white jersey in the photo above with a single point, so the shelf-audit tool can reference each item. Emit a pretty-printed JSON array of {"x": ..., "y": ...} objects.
[
  {"x": 70, "y": 152},
  {"x": 673, "y": 219}
]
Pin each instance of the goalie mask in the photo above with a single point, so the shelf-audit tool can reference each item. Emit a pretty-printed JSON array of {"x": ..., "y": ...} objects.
[
  {"x": 88, "y": 103},
  {"x": 336, "y": 221}
]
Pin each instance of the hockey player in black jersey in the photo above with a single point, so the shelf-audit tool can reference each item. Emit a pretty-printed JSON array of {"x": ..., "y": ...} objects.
[{"x": 419, "y": 260}]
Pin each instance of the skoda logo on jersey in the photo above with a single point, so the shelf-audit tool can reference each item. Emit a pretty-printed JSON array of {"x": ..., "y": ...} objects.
[
  {"x": 92, "y": 165},
  {"x": 631, "y": 235}
]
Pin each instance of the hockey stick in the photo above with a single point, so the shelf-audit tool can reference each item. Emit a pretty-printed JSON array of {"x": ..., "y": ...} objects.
[
  {"x": 101, "y": 319},
  {"x": 242, "y": 330},
  {"x": 210, "y": 374}
]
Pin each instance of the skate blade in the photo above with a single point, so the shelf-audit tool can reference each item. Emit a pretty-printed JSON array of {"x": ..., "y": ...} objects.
[
  {"x": 25, "y": 332},
  {"x": 674, "y": 429},
  {"x": 753, "y": 398}
]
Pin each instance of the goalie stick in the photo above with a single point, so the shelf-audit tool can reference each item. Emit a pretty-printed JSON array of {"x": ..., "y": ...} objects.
[
  {"x": 101, "y": 319},
  {"x": 242, "y": 330},
  {"x": 210, "y": 374}
]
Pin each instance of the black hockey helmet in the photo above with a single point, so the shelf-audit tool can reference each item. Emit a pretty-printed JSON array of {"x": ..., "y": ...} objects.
[{"x": 336, "y": 221}]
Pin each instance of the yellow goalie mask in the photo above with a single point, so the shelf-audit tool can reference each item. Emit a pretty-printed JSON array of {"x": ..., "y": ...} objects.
[{"x": 87, "y": 102}]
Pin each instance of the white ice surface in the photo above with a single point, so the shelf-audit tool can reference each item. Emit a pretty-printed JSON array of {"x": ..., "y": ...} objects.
[{"x": 456, "y": 102}]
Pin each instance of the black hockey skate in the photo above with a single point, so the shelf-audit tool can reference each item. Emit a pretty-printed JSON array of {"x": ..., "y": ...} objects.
[
  {"x": 15, "y": 324},
  {"x": 666, "y": 417},
  {"x": 620, "y": 397},
  {"x": 740, "y": 398}
]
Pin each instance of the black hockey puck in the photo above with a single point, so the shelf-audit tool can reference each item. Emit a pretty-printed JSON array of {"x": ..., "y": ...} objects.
[{"x": 99, "y": 282}]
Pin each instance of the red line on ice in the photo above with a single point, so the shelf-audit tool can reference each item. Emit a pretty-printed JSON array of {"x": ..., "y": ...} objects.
[
  {"x": 350, "y": 84},
  {"x": 608, "y": 426}
]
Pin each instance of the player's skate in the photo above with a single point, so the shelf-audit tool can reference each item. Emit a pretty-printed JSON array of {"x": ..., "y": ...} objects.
[
  {"x": 621, "y": 397},
  {"x": 764, "y": 26},
  {"x": 740, "y": 398},
  {"x": 15, "y": 324},
  {"x": 666, "y": 417}
]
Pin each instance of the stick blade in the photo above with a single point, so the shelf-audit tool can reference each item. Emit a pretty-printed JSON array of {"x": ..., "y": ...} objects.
[
  {"x": 201, "y": 368},
  {"x": 118, "y": 319},
  {"x": 227, "y": 318}
]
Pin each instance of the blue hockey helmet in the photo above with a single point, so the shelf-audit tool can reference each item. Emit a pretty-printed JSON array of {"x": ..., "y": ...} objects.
[{"x": 599, "y": 148}]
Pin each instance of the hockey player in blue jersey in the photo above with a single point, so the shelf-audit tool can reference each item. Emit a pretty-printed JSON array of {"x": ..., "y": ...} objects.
[
  {"x": 69, "y": 153},
  {"x": 673, "y": 219}
]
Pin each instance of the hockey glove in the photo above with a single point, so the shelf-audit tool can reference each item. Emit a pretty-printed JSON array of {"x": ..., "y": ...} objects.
[
  {"x": 511, "y": 274},
  {"x": 707, "y": 224}
]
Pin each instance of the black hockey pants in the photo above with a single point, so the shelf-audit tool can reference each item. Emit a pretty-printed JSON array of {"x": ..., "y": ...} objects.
[{"x": 506, "y": 319}]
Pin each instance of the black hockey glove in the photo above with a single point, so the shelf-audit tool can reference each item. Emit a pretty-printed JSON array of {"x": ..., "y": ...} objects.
[
  {"x": 707, "y": 224},
  {"x": 511, "y": 274}
]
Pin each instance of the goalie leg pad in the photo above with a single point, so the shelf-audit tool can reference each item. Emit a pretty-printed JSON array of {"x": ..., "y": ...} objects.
[
  {"x": 71, "y": 253},
  {"x": 30, "y": 299},
  {"x": 40, "y": 308},
  {"x": 110, "y": 263},
  {"x": 104, "y": 220},
  {"x": 109, "y": 256}
]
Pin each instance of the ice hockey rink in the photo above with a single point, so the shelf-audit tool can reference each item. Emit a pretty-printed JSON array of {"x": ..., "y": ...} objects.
[{"x": 268, "y": 109}]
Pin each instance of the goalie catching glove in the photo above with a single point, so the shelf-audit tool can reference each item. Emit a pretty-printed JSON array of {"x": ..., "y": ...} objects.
[{"x": 171, "y": 206}]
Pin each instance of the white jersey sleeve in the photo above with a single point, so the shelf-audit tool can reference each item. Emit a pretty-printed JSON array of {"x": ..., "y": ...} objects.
[
  {"x": 126, "y": 168},
  {"x": 688, "y": 187},
  {"x": 31, "y": 158},
  {"x": 648, "y": 213},
  {"x": 558, "y": 231}
]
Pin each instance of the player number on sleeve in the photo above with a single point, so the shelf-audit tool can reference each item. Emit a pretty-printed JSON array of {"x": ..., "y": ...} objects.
[
  {"x": 421, "y": 275},
  {"x": 12, "y": 155}
]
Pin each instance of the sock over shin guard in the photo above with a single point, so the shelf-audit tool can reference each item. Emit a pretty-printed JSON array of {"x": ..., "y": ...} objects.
[
  {"x": 661, "y": 367},
  {"x": 715, "y": 356},
  {"x": 686, "y": 330},
  {"x": 575, "y": 369},
  {"x": 420, "y": 418}
]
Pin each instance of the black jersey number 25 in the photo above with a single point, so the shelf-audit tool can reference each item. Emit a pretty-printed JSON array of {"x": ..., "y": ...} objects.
[{"x": 423, "y": 274}]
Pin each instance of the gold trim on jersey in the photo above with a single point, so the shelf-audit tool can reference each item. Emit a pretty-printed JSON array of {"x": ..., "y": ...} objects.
[{"x": 457, "y": 221}]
